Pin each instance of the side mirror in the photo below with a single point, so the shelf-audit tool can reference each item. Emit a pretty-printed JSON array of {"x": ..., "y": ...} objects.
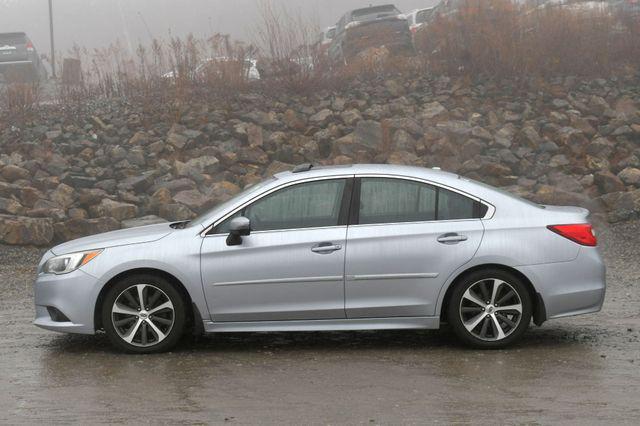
[{"x": 238, "y": 228}]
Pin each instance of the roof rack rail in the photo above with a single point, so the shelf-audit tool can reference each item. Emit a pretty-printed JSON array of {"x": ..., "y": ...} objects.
[{"x": 302, "y": 168}]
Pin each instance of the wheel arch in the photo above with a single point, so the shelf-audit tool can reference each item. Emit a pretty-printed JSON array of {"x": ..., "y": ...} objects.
[
  {"x": 193, "y": 315},
  {"x": 539, "y": 311}
]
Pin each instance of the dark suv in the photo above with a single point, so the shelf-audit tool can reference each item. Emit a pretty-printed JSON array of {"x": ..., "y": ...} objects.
[
  {"x": 19, "y": 60},
  {"x": 371, "y": 27}
]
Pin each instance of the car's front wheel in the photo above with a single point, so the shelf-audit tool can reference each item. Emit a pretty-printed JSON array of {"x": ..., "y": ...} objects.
[
  {"x": 143, "y": 314},
  {"x": 490, "y": 309}
]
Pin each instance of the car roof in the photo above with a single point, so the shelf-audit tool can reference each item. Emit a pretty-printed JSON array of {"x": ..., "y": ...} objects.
[
  {"x": 365, "y": 169},
  {"x": 434, "y": 175}
]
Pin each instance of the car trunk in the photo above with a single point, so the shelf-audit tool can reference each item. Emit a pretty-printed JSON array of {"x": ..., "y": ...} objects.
[
  {"x": 13, "y": 47},
  {"x": 391, "y": 32},
  {"x": 577, "y": 214}
]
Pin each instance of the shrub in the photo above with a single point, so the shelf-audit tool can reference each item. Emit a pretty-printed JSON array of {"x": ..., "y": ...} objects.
[{"x": 505, "y": 39}]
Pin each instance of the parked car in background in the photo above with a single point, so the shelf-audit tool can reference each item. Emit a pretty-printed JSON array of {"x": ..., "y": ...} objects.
[
  {"x": 572, "y": 6},
  {"x": 221, "y": 65},
  {"x": 371, "y": 27},
  {"x": 362, "y": 247},
  {"x": 325, "y": 39},
  {"x": 419, "y": 18},
  {"x": 628, "y": 11},
  {"x": 447, "y": 7},
  {"x": 19, "y": 60}
]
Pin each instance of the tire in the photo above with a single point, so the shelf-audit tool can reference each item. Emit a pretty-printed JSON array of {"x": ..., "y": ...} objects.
[
  {"x": 152, "y": 329},
  {"x": 494, "y": 325}
]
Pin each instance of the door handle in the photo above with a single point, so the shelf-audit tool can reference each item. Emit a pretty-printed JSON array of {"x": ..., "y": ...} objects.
[
  {"x": 326, "y": 248},
  {"x": 451, "y": 238}
]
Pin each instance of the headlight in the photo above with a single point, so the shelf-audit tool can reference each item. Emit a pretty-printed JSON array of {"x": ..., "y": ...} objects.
[{"x": 69, "y": 262}]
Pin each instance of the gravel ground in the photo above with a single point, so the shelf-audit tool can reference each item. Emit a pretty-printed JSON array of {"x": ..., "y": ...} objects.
[{"x": 578, "y": 370}]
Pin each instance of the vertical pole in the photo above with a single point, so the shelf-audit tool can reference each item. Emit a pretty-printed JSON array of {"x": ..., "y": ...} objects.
[{"x": 53, "y": 46}]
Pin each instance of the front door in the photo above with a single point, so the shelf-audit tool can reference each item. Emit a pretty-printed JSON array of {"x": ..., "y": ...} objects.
[
  {"x": 291, "y": 266},
  {"x": 407, "y": 239}
]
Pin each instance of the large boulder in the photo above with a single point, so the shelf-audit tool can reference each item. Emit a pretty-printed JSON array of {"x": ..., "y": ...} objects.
[
  {"x": 115, "y": 209},
  {"x": 622, "y": 205},
  {"x": 608, "y": 182},
  {"x": 10, "y": 206},
  {"x": 433, "y": 110},
  {"x": 321, "y": 118},
  {"x": 63, "y": 196},
  {"x": 77, "y": 228},
  {"x": 18, "y": 230},
  {"x": 13, "y": 173},
  {"x": 630, "y": 176},
  {"x": 175, "y": 212},
  {"x": 142, "y": 221},
  {"x": 193, "y": 199}
]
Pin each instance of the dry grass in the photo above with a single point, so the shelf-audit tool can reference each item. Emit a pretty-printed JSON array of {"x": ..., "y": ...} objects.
[
  {"x": 485, "y": 39},
  {"x": 501, "y": 39},
  {"x": 20, "y": 99}
]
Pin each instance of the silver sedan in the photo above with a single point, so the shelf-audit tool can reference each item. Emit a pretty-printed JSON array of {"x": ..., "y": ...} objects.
[{"x": 331, "y": 248}]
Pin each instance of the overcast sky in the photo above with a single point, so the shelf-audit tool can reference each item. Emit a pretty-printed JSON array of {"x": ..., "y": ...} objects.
[{"x": 97, "y": 23}]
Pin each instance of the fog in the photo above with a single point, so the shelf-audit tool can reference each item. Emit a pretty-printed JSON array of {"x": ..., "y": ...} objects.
[{"x": 97, "y": 23}]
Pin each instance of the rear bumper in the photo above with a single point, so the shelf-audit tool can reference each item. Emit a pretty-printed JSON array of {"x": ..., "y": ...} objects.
[
  {"x": 71, "y": 294},
  {"x": 570, "y": 288}
]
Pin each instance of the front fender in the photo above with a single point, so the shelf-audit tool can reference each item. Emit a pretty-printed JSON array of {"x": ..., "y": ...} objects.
[{"x": 177, "y": 255}]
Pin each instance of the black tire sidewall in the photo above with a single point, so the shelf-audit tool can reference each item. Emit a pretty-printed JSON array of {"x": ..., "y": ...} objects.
[
  {"x": 178, "y": 305},
  {"x": 453, "y": 315}
]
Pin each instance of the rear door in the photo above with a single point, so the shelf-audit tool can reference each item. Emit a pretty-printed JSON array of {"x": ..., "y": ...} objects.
[{"x": 406, "y": 239}]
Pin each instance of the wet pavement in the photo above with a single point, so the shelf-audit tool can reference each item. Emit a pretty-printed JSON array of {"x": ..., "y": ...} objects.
[{"x": 576, "y": 370}]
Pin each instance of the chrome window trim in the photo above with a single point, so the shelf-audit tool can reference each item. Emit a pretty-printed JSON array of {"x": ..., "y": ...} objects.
[
  {"x": 423, "y": 222},
  {"x": 316, "y": 228},
  {"x": 490, "y": 208},
  {"x": 272, "y": 190}
]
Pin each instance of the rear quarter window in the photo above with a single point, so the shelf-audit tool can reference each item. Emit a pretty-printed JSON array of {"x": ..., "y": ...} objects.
[{"x": 454, "y": 206}]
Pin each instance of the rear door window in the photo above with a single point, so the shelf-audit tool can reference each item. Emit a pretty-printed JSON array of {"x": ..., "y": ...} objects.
[
  {"x": 389, "y": 200},
  {"x": 384, "y": 200}
]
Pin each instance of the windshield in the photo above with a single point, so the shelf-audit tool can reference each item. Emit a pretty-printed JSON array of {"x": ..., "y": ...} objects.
[
  {"x": 331, "y": 33},
  {"x": 423, "y": 16},
  {"x": 220, "y": 208},
  {"x": 374, "y": 13}
]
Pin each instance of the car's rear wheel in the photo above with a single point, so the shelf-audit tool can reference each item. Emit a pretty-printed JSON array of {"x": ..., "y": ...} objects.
[
  {"x": 143, "y": 314},
  {"x": 490, "y": 309}
]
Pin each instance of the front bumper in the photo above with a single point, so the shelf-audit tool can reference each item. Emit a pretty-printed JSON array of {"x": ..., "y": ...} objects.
[
  {"x": 570, "y": 288},
  {"x": 71, "y": 294}
]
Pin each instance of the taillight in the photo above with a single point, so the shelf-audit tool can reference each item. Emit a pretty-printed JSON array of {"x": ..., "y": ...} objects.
[
  {"x": 30, "y": 46},
  {"x": 580, "y": 233}
]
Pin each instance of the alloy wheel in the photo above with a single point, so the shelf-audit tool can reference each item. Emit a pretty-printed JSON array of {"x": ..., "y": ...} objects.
[
  {"x": 491, "y": 309},
  {"x": 143, "y": 315}
]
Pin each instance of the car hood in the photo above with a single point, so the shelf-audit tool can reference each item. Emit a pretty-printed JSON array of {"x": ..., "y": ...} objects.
[{"x": 142, "y": 234}]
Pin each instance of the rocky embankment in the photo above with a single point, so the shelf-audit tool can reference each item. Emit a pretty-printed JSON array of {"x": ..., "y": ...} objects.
[{"x": 569, "y": 141}]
